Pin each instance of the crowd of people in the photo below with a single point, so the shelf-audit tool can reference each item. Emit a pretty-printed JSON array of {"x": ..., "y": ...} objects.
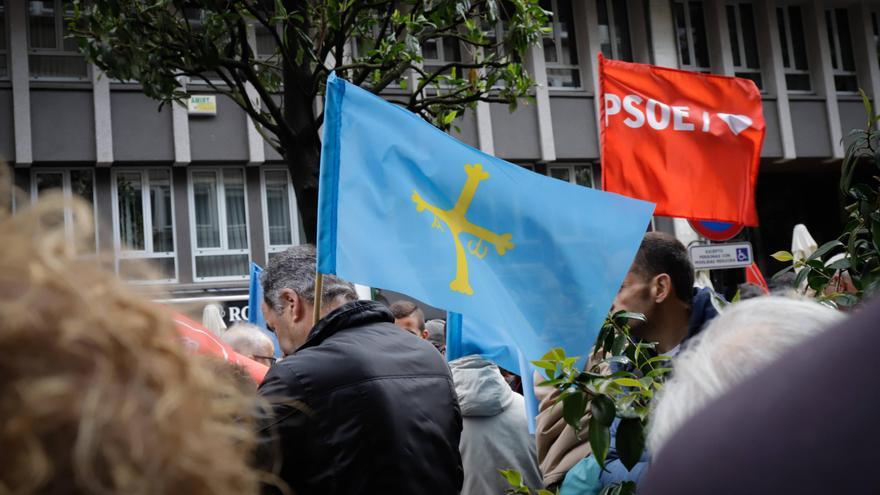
[{"x": 97, "y": 395}]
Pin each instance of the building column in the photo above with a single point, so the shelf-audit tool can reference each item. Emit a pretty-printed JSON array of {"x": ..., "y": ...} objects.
[
  {"x": 180, "y": 125},
  {"x": 587, "y": 36},
  {"x": 535, "y": 65},
  {"x": 663, "y": 48},
  {"x": 820, "y": 61},
  {"x": 639, "y": 33},
  {"x": 103, "y": 120},
  {"x": 256, "y": 151},
  {"x": 770, "y": 51},
  {"x": 718, "y": 33},
  {"x": 485, "y": 138},
  {"x": 865, "y": 50},
  {"x": 20, "y": 74}
]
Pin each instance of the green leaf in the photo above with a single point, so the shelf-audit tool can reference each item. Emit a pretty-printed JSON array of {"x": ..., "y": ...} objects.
[
  {"x": 513, "y": 477},
  {"x": 801, "y": 277},
  {"x": 573, "y": 408},
  {"x": 600, "y": 439},
  {"x": 547, "y": 365},
  {"x": 781, "y": 272},
  {"x": 628, "y": 382},
  {"x": 841, "y": 264},
  {"x": 618, "y": 345},
  {"x": 657, "y": 372},
  {"x": 630, "y": 441},
  {"x": 846, "y": 300},
  {"x": 782, "y": 256},
  {"x": 869, "y": 110},
  {"x": 824, "y": 248},
  {"x": 628, "y": 488},
  {"x": 603, "y": 410},
  {"x": 633, "y": 316},
  {"x": 875, "y": 234},
  {"x": 816, "y": 281}
]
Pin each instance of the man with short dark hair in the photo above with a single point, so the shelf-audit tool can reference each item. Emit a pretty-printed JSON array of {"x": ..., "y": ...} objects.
[
  {"x": 660, "y": 285},
  {"x": 409, "y": 317},
  {"x": 357, "y": 406}
]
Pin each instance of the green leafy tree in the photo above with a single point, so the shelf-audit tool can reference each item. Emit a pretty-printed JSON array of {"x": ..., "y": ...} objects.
[
  {"x": 856, "y": 274},
  {"x": 376, "y": 44},
  {"x": 619, "y": 381}
]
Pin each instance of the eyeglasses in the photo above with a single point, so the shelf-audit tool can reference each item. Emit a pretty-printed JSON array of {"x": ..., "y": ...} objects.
[{"x": 267, "y": 360}]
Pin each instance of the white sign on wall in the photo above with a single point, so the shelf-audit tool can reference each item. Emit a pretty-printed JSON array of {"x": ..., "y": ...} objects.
[
  {"x": 202, "y": 105},
  {"x": 721, "y": 256}
]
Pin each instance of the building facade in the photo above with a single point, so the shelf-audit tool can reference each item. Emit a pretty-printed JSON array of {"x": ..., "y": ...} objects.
[{"x": 202, "y": 196}]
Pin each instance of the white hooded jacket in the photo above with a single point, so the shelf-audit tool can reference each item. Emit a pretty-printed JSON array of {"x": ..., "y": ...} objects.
[{"x": 495, "y": 434}]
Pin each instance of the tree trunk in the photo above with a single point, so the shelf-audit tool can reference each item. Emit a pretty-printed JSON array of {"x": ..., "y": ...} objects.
[
  {"x": 303, "y": 162},
  {"x": 303, "y": 154}
]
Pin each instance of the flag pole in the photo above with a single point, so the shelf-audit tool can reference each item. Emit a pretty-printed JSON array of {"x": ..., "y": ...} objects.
[{"x": 319, "y": 289}]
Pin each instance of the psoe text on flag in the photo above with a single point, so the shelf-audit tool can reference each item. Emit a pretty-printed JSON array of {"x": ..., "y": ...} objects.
[{"x": 687, "y": 141}]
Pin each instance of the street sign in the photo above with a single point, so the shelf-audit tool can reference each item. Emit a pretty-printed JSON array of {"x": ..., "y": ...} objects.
[
  {"x": 716, "y": 231},
  {"x": 202, "y": 105},
  {"x": 721, "y": 256}
]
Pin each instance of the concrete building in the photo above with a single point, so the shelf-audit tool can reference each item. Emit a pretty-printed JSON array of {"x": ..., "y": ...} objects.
[{"x": 203, "y": 195}]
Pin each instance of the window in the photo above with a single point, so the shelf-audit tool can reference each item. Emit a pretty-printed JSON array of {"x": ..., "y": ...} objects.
[
  {"x": 143, "y": 220},
  {"x": 279, "y": 203},
  {"x": 266, "y": 46},
  {"x": 4, "y": 50},
  {"x": 690, "y": 35},
  {"x": 840, "y": 42},
  {"x": 439, "y": 52},
  {"x": 614, "y": 29},
  {"x": 560, "y": 51},
  {"x": 794, "y": 50},
  {"x": 744, "y": 41},
  {"x": 72, "y": 183},
  {"x": 581, "y": 175},
  {"x": 51, "y": 54},
  {"x": 219, "y": 224}
]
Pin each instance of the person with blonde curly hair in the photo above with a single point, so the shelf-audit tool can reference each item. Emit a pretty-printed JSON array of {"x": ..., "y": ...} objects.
[{"x": 97, "y": 395}]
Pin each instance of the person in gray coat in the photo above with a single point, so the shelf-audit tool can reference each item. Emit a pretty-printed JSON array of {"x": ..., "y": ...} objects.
[{"x": 495, "y": 434}]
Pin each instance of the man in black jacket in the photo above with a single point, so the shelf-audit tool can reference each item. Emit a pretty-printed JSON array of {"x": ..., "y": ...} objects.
[{"x": 358, "y": 407}]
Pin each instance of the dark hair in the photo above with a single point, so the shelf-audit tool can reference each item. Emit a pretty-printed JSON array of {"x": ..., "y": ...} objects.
[
  {"x": 663, "y": 253},
  {"x": 402, "y": 309},
  {"x": 294, "y": 269}
]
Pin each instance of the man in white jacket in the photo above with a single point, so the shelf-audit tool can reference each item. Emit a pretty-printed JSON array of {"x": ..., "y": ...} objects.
[{"x": 495, "y": 434}]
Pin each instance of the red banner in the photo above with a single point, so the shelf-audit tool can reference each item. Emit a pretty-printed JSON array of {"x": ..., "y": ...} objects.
[
  {"x": 688, "y": 142},
  {"x": 198, "y": 339}
]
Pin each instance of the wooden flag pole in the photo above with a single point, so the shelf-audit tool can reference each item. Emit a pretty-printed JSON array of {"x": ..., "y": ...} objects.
[{"x": 319, "y": 290}]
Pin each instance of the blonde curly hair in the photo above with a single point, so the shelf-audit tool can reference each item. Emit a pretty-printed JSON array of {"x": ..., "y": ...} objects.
[{"x": 96, "y": 394}]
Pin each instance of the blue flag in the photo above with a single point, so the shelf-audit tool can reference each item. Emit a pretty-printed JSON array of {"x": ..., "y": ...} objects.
[
  {"x": 406, "y": 207},
  {"x": 467, "y": 335},
  {"x": 255, "y": 302}
]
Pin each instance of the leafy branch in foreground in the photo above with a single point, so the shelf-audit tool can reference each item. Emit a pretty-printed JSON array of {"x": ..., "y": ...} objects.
[{"x": 846, "y": 270}]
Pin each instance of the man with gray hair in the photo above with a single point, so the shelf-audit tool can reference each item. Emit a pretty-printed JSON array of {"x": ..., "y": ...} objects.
[
  {"x": 357, "y": 405},
  {"x": 248, "y": 340},
  {"x": 744, "y": 339}
]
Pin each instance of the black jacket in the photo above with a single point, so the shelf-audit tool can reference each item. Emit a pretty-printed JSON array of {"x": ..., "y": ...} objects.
[{"x": 369, "y": 409}]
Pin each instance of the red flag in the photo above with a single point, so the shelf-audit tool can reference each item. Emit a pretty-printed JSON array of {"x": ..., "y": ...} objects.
[
  {"x": 687, "y": 141},
  {"x": 200, "y": 340},
  {"x": 754, "y": 276}
]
